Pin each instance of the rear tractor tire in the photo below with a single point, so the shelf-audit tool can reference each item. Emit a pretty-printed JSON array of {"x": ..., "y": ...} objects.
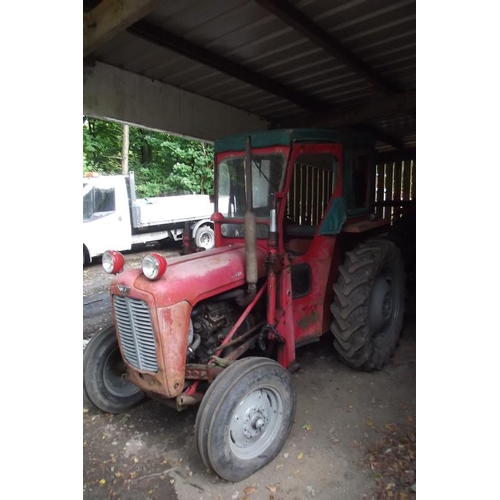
[
  {"x": 368, "y": 305},
  {"x": 245, "y": 417},
  {"x": 104, "y": 375}
]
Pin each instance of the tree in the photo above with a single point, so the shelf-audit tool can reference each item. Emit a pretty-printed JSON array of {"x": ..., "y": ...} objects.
[
  {"x": 125, "y": 146},
  {"x": 163, "y": 163}
]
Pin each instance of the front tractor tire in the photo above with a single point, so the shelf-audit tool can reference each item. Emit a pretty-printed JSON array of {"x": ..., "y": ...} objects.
[
  {"x": 368, "y": 305},
  {"x": 245, "y": 417},
  {"x": 104, "y": 375}
]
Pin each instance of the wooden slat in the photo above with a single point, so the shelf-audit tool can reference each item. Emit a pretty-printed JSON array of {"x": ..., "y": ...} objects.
[
  {"x": 389, "y": 171},
  {"x": 397, "y": 188},
  {"x": 406, "y": 179},
  {"x": 302, "y": 195},
  {"x": 413, "y": 179},
  {"x": 310, "y": 199},
  {"x": 379, "y": 190}
]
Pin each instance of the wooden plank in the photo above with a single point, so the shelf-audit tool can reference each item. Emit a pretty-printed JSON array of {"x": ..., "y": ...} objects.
[
  {"x": 309, "y": 199},
  {"x": 379, "y": 190},
  {"x": 302, "y": 195},
  {"x": 413, "y": 179},
  {"x": 388, "y": 187},
  {"x": 406, "y": 180},
  {"x": 397, "y": 188}
]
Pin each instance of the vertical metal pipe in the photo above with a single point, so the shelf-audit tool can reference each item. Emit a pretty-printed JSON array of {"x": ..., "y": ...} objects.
[
  {"x": 251, "y": 266},
  {"x": 248, "y": 173}
]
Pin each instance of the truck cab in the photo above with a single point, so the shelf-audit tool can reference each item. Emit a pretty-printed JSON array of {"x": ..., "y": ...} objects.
[{"x": 106, "y": 215}]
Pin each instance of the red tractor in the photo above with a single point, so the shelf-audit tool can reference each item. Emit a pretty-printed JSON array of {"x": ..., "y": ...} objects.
[{"x": 297, "y": 254}]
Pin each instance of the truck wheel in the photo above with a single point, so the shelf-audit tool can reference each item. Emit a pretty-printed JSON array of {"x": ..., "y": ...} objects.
[
  {"x": 245, "y": 417},
  {"x": 86, "y": 257},
  {"x": 104, "y": 371},
  {"x": 368, "y": 304},
  {"x": 205, "y": 237}
]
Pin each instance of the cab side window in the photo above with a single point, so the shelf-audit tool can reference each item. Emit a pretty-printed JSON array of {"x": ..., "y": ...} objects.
[
  {"x": 357, "y": 180},
  {"x": 313, "y": 182}
]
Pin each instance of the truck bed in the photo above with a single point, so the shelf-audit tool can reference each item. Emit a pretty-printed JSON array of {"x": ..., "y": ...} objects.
[{"x": 171, "y": 210}]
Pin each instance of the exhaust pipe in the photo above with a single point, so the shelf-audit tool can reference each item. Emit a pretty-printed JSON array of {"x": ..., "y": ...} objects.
[{"x": 250, "y": 226}]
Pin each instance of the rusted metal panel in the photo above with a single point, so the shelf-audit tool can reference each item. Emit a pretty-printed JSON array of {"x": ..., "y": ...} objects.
[
  {"x": 170, "y": 327},
  {"x": 198, "y": 276}
]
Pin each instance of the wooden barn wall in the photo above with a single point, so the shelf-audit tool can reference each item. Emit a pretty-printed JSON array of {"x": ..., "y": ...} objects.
[{"x": 395, "y": 184}]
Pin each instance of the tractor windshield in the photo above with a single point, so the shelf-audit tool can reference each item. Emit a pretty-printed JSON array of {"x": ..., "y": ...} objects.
[{"x": 267, "y": 179}]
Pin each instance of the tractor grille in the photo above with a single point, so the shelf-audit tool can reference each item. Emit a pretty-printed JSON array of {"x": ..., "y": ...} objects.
[{"x": 136, "y": 333}]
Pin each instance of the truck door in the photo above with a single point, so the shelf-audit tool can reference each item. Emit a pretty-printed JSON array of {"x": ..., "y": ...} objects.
[{"x": 106, "y": 215}]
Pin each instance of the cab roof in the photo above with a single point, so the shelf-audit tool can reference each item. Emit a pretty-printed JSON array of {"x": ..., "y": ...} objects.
[{"x": 284, "y": 137}]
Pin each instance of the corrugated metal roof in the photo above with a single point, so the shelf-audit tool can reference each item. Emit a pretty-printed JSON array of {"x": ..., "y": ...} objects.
[{"x": 382, "y": 34}]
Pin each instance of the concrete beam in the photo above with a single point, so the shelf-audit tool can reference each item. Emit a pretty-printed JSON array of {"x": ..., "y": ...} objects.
[
  {"x": 113, "y": 94},
  {"x": 109, "y": 18}
]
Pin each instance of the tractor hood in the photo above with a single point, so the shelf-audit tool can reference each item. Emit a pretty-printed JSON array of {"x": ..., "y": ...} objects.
[{"x": 193, "y": 277}]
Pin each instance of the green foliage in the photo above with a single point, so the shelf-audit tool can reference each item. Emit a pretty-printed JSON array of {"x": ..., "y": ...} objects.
[
  {"x": 163, "y": 163},
  {"x": 101, "y": 146}
]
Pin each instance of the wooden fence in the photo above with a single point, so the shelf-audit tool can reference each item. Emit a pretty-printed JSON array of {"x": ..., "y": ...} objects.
[{"x": 395, "y": 184}]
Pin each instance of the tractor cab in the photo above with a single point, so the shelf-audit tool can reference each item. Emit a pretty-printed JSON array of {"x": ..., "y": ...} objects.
[{"x": 311, "y": 181}]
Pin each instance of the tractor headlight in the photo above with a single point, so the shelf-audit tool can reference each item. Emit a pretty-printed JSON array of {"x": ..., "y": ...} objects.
[
  {"x": 154, "y": 266},
  {"x": 113, "y": 262}
]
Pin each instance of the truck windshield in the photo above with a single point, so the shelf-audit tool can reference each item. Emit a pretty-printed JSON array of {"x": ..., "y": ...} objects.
[
  {"x": 267, "y": 179},
  {"x": 97, "y": 202}
]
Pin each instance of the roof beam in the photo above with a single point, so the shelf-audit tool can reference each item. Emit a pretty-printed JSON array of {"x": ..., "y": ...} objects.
[
  {"x": 163, "y": 38},
  {"x": 297, "y": 20},
  {"x": 383, "y": 136},
  {"x": 392, "y": 156},
  {"x": 111, "y": 17},
  {"x": 376, "y": 107}
]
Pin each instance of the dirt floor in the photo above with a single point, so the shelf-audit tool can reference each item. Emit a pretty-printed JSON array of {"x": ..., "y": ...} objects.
[{"x": 353, "y": 437}]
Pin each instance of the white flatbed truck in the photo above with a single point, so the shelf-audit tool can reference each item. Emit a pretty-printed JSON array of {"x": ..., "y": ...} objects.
[{"x": 114, "y": 218}]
